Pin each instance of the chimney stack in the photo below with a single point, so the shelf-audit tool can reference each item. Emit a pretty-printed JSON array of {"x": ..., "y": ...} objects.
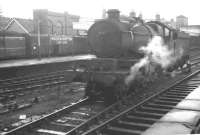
[{"x": 113, "y": 14}]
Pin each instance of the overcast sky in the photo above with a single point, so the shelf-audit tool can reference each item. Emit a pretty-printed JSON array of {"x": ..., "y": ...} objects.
[{"x": 93, "y": 8}]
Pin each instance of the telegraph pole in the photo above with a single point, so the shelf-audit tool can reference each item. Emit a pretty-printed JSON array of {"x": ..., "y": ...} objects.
[
  {"x": 39, "y": 55},
  {"x": 1, "y": 18}
]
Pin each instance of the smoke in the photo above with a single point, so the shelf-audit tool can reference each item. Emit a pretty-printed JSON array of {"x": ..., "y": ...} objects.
[
  {"x": 134, "y": 70},
  {"x": 155, "y": 52}
]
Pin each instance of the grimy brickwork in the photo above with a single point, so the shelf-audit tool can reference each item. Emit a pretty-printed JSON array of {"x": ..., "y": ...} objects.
[{"x": 53, "y": 23}]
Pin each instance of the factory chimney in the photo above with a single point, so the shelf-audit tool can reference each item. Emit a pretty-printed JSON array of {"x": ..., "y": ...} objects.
[{"x": 113, "y": 14}]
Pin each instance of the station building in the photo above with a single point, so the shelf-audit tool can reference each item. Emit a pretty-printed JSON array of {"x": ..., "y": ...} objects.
[
  {"x": 49, "y": 32},
  {"x": 48, "y": 22},
  {"x": 54, "y": 23},
  {"x": 181, "y": 21}
]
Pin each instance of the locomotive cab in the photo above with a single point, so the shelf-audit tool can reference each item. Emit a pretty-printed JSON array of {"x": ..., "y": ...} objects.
[
  {"x": 162, "y": 30},
  {"x": 175, "y": 40}
]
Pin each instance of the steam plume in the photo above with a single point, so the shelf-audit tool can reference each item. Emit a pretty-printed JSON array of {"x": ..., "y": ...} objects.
[{"x": 155, "y": 52}]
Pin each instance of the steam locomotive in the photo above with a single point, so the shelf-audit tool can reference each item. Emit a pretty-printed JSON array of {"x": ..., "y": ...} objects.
[
  {"x": 114, "y": 38},
  {"x": 120, "y": 42}
]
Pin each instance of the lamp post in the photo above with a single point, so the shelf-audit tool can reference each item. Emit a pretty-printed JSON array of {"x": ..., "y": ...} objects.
[{"x": 39, "y": 55}]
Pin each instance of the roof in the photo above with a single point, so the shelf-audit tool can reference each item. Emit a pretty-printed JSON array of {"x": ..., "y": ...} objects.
[
  {"x": 113, "y": 11},
  {"x": 181, "y": 16},
  {"x": 162, "y": 24},
  {"x": 4, "y": 21},
  {"x": 25, "y": 24}
]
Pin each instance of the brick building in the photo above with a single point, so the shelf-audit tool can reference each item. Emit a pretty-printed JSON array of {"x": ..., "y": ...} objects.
[
  {"x": 54, "y": 23},
  {"x": 20, "y": 25},
  {"x": 157, "y": 17},
  {"x": 55, "y": 30},
  {"x": 49, "y": 23},
  {"x": 181, "y": 21}
]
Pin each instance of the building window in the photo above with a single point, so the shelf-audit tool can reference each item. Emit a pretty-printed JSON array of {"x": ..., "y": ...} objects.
[
  {"x": 50, "y": 27},
  {"x": 59, "y": 29}
]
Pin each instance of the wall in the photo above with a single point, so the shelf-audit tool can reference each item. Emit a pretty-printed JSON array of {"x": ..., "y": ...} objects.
[{"x": 54, "y": 23}]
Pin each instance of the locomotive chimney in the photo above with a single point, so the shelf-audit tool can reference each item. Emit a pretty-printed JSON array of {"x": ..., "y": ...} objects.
[{"x": 113, "y": 14}]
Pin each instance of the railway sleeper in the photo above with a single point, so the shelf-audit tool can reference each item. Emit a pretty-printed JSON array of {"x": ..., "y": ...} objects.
[
  {"x": 182, "y": 93},
  {"x": 193, "y": 81},
  {"x": 173, "y": 96},
  {"x": 66, "y": 125},
  {"x": 184, "y": 85},
  {"x": 130, "y": 125},
  {"x": 183, "y": 89},
  {"x": 71, "y": 120},
  {"x": 167, "y": 100},
  {"x": 153, "y": 105},
  {"x": 139, "y": 119},
  {"x": 119, "y": 131},
  {"x": 153, "y": 109},
  {"x": 48, "y": 132},
  {"x": 169, "y": 93},
  {"x": 145, "y": 114}
]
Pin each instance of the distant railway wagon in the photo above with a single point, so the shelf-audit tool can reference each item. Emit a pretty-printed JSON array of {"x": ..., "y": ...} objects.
[
  {"x": 59, "y": 45},
  {"x": 14, "y": 45}
]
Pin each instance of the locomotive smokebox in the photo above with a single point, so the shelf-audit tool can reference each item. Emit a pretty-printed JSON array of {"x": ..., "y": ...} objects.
[{"x": 113, "y": 14}]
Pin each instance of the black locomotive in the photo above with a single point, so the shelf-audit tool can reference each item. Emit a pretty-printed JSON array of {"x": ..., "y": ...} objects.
[
  {"x": 120, "y": 42},
  {"x": 113, "y": 38}
]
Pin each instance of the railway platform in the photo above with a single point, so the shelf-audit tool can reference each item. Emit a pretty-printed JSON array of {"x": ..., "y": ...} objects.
[
  {"x": 49, "y": 60},
  {"x": 24, "y": 67}
]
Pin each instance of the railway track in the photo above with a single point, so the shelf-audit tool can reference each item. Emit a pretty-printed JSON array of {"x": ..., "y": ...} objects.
[
  {"x": 114, "y": 120},
  {"x": 24, "y": 79},
  {"x": 64, "y": 119},
  {"x": 20, "y": 84},
  {"x": 155, "y": 114},
  {"x": 195, "y": 56},
  {"x": 22, "y": 92},
  {"x": 195, "y": 61}
]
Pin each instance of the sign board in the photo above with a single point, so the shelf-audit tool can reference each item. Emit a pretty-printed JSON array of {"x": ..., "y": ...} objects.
[{"x": 61, "y": 39}]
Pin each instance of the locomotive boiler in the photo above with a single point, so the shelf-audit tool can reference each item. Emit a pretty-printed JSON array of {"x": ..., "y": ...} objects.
[{"x": 114, "y": 38}]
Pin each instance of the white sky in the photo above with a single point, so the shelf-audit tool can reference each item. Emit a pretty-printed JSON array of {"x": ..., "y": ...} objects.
[{"x": 93, "y": 8}]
